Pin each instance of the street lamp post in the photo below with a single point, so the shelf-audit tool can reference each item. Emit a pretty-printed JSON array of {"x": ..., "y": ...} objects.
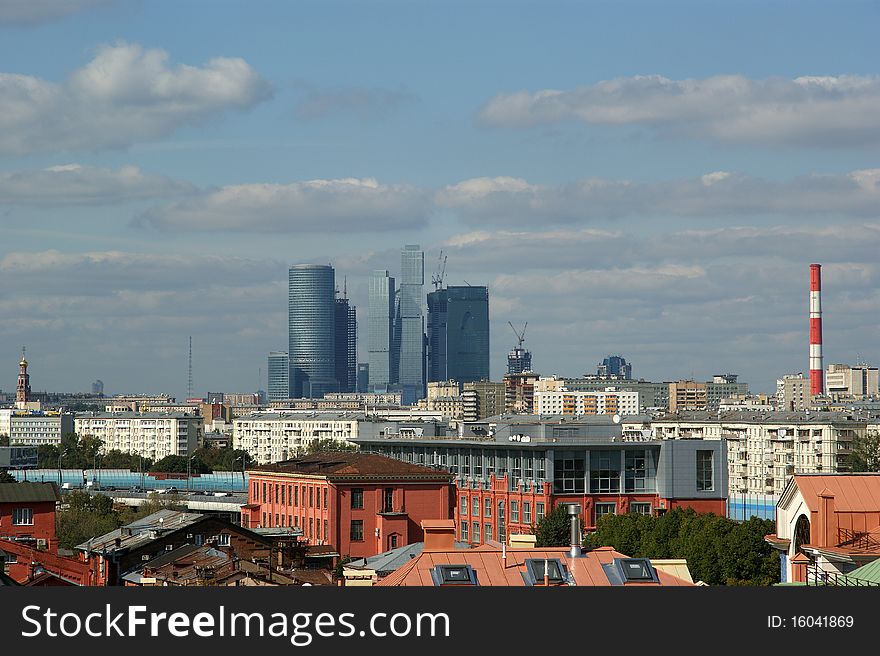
[
  {"x": 189, "y": 473},
  {"x": 242, "y": 470}
]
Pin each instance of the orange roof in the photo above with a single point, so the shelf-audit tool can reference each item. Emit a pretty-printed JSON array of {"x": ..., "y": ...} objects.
[
  {"x": 852, "y": 492},
  {"x": 491, "y": 569}
]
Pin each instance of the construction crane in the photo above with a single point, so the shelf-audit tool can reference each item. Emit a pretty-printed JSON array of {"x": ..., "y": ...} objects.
[
  {"x": 520, "y": 336},
  {"x": 437, "y": 278}
]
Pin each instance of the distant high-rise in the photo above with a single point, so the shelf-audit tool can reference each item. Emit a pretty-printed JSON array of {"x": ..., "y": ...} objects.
[
  {"x": 363, "y": 377},
  {"x": 519, "y": 360},
  {"x": 346, "y": 345},
  {"x": 412, "y": 324},
  {"x": 279, "y": 376},
  {"x": 615, "y": 365},
  {"x": 458, "y": 334},
  {"x": 312, "y": 330},
  {"x": 98, "y": 388},
  {"x": 380, "y": 331}
]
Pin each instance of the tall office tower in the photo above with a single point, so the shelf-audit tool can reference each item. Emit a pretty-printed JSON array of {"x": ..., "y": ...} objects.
[
  {"x": 346, "y": 345},
  {"x": 412, "y": 324},
  {"x": 380, "y": 332},
  {"x": 458, "y": 334},
  {"x": 519, "y": 360},
  {"x": 311, "y": 330},
  {"x": 363, "y": 378},
  {"x": 279, "y": 376},
  {"x": 615, "y": 365},
  {"x": 98, "y": 388}
]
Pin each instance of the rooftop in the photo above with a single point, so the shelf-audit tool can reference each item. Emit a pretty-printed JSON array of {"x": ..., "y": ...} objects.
[
  {"x": 28, "y": 492},
  {"x": 755, "y": 416},
  {"x": 142, "y": 531},
  {"x": 342, "y": 464}
]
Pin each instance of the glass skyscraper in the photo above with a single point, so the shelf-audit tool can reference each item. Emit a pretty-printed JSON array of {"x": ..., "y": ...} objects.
[
  {"x": 380, "y": 332},
  {"x": 412, "y": 324},
  {"x": 279, "y": 376},
  {"x": 346, "y": 345},
  {"x": 312, "y": 330},
  {"x": 458, "y": 334}
]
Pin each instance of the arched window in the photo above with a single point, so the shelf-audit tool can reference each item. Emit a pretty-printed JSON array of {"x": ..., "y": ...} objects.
[{"x": 801, "y": 533}]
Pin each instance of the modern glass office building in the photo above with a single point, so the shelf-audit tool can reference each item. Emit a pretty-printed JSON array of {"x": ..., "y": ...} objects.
[
  {"x": 380, "y": 331},
  {"x": 346, "y": 345},
  {"x": 458, "y": 334},
  {"x": 412, "y": 324},
  {"x": 312, "y": 330},
  {"x": 279, "y": 376}
]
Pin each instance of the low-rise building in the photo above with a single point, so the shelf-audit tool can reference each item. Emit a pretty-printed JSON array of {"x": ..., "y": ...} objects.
[
  {"x": 512, "y": 470},
  {"x": 360, "y": 504},
  {"x": 153, "y": 435},
  {"x": 36, "y": 428},
  {"x": 27, "y": 514}
]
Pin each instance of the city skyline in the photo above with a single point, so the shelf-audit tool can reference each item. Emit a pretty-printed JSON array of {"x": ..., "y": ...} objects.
[{"x": 618, "y": 194}]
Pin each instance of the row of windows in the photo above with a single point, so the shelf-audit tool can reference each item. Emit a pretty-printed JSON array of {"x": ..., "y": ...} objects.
[
  {"x": 475, "y": 506},
  {"x": 293, "y": 521},
  {"x": 357, "y": 499},
  {"x": 293, "y": 494}
]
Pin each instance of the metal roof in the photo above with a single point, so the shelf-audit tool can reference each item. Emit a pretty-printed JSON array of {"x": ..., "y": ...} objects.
[
  {"x": 26, "y": 492},
  {"x": 141, "y": 531},
  {"x": 852, "y": 492}
]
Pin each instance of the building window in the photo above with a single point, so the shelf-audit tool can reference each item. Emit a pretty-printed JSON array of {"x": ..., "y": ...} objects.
[
  {"x": 289, "y": 494},
  {"x": 569, "y": 472},
  {"x": 264, "y": 519},
  {"x": 635, "y": 470},
  {"x": 311, "y": 497},
  {"x": 311, "y": 527},
  {"x": 256, "y": 491},
  {"x": 277, "y": 521},
  {"x": 487, "y": 532},
  {"x": 357, "y": 530},
  {"x": 388, "y": 500},
  {"x": 487, "y": 507},
  {"x": 276, "y": 493},
  {"x": 539, "y": 511},
  {"x": 23, "y": 516},
  {"x": 357, "y": 498},
  {"x": 605, "y": 471},
  {"x": 640, "y": 508},
  {"x": 527, "y": 512},
  {"x": 325, "y": 497},
  {"x": 265, "y": 497},
  {"x": 282, "y": 495},
  {"x": 392, "y": 541},
  {"x": 296, "y": 495},
  {"x": 514, "y": 512},
  {"x": 605, "y": 509},
  {"x": 464, "y": 505},
  {"x": 290, "y": 520},
  {"x": 476, "y": 526},
  {"x": 705, "y": 476},
  {"x": 464, "y": 532},
  {"x": 224, "y": 539},
  {"x": 475, "y": 507},
  {"x": 317, "y": 498},
  {"x": 501, "y": 522}
]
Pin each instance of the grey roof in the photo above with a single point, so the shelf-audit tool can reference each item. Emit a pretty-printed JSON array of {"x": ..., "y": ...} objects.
[
  {"x": 390, "y": 561},
  {"x": 142, "y": 531},
  {"x": 278, "y": 531},
  {"x": 753, "y": 416},
  {"x": 136, "y": 415},
  {"x": 303, "y": 415},
  {"x": 27, "y": 492}
]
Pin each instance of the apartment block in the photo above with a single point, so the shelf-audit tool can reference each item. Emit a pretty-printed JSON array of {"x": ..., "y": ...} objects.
[{"x": 153, "y": 435}]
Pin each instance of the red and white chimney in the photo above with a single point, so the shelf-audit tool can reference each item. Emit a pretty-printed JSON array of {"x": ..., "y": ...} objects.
[{"x": 817, "y": 372}]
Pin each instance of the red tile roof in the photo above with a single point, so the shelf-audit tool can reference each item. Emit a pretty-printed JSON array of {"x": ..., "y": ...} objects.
[
  {"x": 491, "y": 569},
  {"x": 352, "y": 464}
]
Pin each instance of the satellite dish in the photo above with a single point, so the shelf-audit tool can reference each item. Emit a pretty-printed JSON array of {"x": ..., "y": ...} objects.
[
  {"x": 616, "y": 419},
  {"x": 782, "y": 432}
]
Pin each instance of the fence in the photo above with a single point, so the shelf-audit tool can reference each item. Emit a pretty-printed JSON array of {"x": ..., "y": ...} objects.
[
  {"x": 125, "y": 479},
  {"x": 742, "y": 507}
]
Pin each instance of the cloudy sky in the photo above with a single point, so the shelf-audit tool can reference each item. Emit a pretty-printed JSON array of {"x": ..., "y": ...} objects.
[{"x": 643, "y": 178}]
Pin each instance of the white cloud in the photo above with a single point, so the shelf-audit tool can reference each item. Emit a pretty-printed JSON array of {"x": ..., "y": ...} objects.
[
  {"x": 350, "y": 204},
  {"x": 832, "y": 111},
  {"x": 32, "y": 12},
  {"x": 124, "y": 95},
  {"x": 73, "y": 184},
  {"x": 513, "y": 201}
]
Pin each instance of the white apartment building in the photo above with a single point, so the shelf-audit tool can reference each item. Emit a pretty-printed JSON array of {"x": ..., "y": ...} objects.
[
  {"x": 153, "y": 435},
  {"x": 273, "y": 436},
  {"x": 793, "y": 393},
  {"x": 858, "y": 382},
  {"x": 611, "y": 401},
  {"x": 29, "y": 428},
  {"x": 764, "y": 449}
]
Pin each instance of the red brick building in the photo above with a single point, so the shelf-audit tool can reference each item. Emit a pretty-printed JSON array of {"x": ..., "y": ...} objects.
[
  {"x": 361, "y": 504},
  {"x": 27, "y": 514}
]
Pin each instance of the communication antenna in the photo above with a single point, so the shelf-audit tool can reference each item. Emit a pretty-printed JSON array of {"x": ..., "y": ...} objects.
[{"x": 189, "y": 385}]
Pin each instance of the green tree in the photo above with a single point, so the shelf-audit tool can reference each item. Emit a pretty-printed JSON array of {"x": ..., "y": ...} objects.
[
  {"x": 4, "y": 440},
  {"x": 865, "y": 454},
  {"x": 225, "y": 459},
  {"x": 329, "y": 444},
  {"x": 554, "y": 529},
  {"x": 84, "y": 516},
  {"x": 6, "y": 477},
  {"x": 180, "y": 465}
]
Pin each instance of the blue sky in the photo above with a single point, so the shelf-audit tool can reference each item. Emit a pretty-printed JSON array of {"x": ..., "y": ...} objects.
[{"x": 643, "y": 178}]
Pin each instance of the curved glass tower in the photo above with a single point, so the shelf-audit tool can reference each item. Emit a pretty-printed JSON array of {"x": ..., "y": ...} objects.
[{"x": 311, "y": 328}]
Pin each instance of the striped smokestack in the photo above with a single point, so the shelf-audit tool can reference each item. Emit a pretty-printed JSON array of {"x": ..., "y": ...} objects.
[{"x": 817, "y": 372}]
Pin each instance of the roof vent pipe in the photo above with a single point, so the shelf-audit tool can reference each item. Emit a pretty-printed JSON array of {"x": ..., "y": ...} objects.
[{"x": 574, "y": 512}]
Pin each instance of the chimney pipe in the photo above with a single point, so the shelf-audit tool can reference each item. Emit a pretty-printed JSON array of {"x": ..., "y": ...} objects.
[
  {"x": 574, "y": 512},
  {"x": 817, "y": 372}
]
